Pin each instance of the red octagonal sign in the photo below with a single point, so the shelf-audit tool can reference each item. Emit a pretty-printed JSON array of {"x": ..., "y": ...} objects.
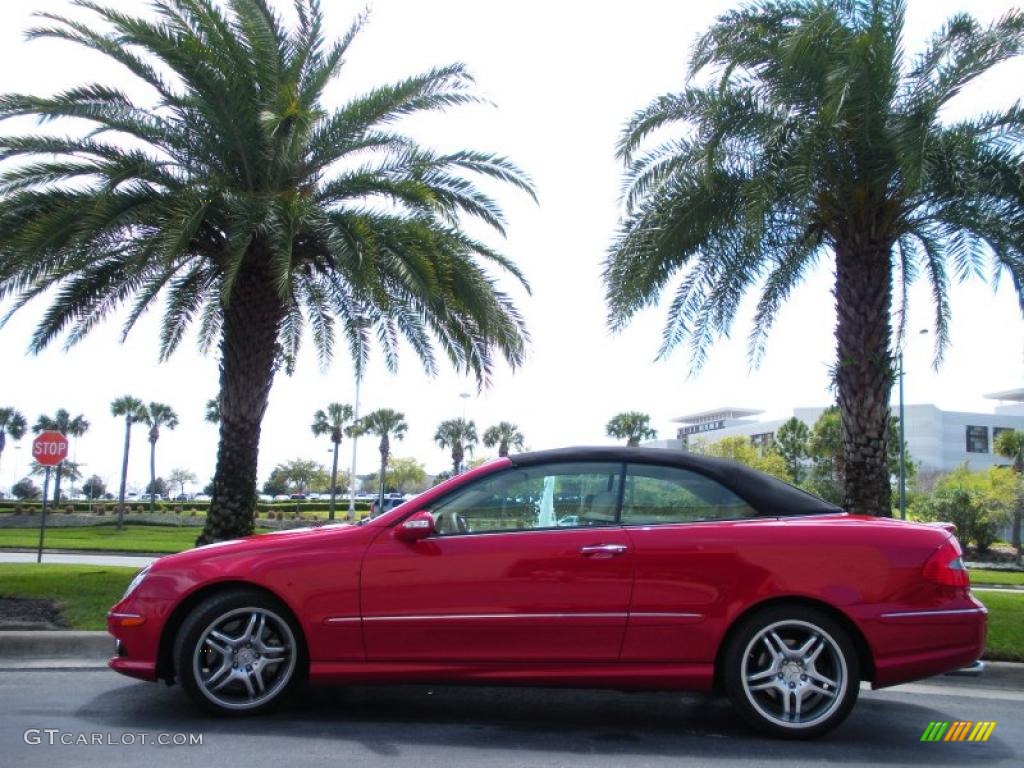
[{"x": 50, "y": 448}]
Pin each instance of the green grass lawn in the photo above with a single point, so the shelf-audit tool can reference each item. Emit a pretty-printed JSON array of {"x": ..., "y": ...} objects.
[
  {"x": 134, "y": 538},
  {"x": 1005, "y": 625},
  {"x": 85, "y": 592},
  {"x": 1011, "y": 578}
]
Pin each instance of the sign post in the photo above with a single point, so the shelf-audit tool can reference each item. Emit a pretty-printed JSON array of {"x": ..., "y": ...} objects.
[{"x": 49, "y": 448}]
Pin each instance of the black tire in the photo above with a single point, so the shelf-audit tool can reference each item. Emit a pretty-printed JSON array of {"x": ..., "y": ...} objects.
[
  {"x": 257, "y": 673},
  {"x": 781, "y": 692}
]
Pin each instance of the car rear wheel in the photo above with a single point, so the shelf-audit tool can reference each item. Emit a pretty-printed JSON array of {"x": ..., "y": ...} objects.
[
  {"x": 238, "y": 652},
  {"x": 792, "y": 672}
]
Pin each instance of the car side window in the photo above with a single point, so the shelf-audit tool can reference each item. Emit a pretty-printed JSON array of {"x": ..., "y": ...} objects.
[
  {"x": 655, "y": 494},
  {"x": 547, "y": 496}
]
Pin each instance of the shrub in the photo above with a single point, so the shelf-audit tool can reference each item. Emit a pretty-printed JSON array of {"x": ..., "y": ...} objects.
[{"x": 972, "y": 518}]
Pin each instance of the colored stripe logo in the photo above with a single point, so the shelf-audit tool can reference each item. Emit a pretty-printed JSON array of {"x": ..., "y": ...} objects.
[{"x": 958, "y": 730}]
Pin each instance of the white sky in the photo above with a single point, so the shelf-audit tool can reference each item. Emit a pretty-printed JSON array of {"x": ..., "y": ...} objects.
[{"x": 564, "y": 76}]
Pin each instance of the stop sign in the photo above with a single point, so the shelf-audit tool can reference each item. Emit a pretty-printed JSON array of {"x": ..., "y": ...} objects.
[{"x": 50, "y": 448}]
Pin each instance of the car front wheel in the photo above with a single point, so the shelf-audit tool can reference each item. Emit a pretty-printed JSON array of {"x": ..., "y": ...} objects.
[
  {"x": 792, "y": 672},
  {"x": 238, "y": 652}
]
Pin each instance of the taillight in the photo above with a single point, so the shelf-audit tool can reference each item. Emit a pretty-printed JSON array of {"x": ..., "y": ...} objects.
[{"x": 946, "y": 566}]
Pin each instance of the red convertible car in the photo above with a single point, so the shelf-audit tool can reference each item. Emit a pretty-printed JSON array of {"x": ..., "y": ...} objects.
[{"x": 624, "y": 568}]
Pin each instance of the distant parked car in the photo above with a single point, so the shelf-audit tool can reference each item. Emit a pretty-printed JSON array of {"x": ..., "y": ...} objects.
[
  {"x": 148, "y": 496},
  {"x": 298, "y": 497},
  {"x": 182, "y": 497},
  {"x": 390, "y": 502},
  {"x": 201, "y": 497}
]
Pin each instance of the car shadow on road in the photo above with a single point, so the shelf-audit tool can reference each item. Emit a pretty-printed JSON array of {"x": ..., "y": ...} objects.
[{"x": 397, "y": 720}]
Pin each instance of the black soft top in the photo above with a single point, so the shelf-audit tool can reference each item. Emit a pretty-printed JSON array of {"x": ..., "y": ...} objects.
[{"x": 770, "y": 496}]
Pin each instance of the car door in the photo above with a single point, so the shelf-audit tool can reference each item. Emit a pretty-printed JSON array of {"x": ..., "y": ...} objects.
[
  {"x": 526, "y": 564},
  {"x": 683, "y": 529}
]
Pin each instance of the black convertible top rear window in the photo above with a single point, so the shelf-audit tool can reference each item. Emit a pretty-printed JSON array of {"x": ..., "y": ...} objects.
[{"x": 770, "y": 496}]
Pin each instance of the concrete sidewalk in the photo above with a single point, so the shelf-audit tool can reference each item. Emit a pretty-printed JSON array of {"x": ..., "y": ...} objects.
[{"x": 131, "y": 561}]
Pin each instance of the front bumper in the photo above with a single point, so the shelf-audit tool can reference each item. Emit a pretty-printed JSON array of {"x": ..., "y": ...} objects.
[{"x": 136, "y": 631}]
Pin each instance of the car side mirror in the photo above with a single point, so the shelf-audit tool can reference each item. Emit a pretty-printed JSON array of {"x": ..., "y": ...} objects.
[{"x": 417, "y": 527}]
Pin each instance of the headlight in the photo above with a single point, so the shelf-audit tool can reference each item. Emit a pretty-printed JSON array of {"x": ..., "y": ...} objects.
[{"x": 136, "y": 582}]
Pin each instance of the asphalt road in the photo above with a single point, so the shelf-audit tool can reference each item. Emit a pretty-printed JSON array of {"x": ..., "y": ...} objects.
[{"x": 424, "y": 727}]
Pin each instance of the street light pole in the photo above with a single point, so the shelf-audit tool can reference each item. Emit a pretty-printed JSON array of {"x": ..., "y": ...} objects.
[
  {"x": 903, "y": 452},
  {"x": 903, "y": 441},
  {"x": 355, "y": 439}
]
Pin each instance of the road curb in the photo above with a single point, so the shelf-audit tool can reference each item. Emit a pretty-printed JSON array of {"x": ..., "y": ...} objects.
[{"x": 53, "y": 645}]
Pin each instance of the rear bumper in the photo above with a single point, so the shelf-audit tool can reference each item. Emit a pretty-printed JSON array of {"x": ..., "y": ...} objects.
[{"x": 913, "y": 644}]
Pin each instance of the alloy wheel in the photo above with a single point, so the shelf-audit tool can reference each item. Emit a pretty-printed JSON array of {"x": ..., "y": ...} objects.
[
  {"x": 244, "y": 658},
  {"x": 794, "y": 674}
]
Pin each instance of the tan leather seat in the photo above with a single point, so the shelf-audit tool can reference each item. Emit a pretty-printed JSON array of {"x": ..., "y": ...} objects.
[{"x": 602, "y": 509}]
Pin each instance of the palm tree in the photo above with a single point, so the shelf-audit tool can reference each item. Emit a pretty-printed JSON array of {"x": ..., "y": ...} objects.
[
  {"x": 631, "y": 426},
  {"x": 802, "y": 136},
  {"x": 69, "y": 426},
  {"x": 1011, "y": 445},
  {"x": 133, "y": 411},
  {"x": 12, "y": 423},
  {"x": 67, "y": 469},
  {"x": 460, "y": 436},
  {"x": 334, "y": 422},
  {"x": 505, "y": 435},
  {"x": 387, "y": 424},
  {"x": 157, "y": 415},
  {"x": 248, "y": 204}
]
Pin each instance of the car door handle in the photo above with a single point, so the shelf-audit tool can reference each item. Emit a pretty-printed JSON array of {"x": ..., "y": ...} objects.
[{"x": 606, "y": 550}]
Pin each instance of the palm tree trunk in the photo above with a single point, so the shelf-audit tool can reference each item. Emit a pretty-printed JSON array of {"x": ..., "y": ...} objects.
[
  {"x": 456, "y": 459},
  {"x": 334, "y": 480},
  {"x": 56, "y": 487},
  {"x": 863, "y": 294},
  {"x": 152, "y": 472},
  {"x": 248, "y": 362},
  {"x": 503, "y": 449},
  {"x": 385, "y": 448},
  {"x": 124, "y": 472}
]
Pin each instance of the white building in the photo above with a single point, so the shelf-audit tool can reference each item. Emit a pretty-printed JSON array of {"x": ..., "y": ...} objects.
[{"x": 937, "y": 439}]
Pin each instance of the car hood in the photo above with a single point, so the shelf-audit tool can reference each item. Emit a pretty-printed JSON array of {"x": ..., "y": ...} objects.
[{"x": 259, "y": 542}]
